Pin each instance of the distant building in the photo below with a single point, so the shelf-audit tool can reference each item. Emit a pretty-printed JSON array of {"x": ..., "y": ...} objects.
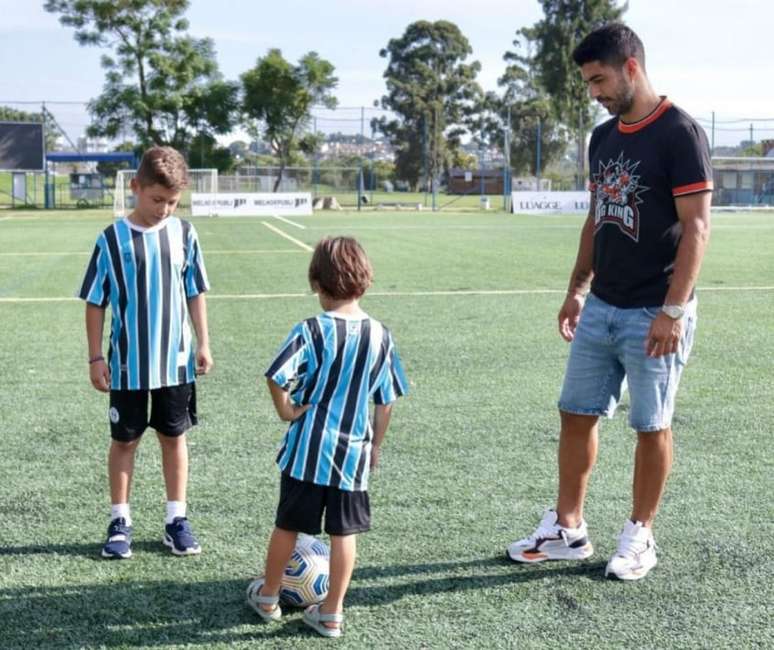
[
  {"x": 743, "y": 181},
  {"x": 469, "y": 181}
]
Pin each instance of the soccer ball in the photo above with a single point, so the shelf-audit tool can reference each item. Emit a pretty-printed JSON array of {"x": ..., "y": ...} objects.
[
  {"x": 305, "y": 581},
  {"x": 306, "y": 576}
]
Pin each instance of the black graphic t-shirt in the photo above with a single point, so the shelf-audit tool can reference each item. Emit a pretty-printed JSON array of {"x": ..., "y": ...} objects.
[{"x": 637, "y": 171}]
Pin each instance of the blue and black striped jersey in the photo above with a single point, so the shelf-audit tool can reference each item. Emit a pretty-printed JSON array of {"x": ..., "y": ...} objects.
[
  {"x": 147, "y": 276},
  {"x": 336, "y": 364}
]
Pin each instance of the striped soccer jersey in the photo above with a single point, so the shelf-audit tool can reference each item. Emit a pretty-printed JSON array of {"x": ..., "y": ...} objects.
[
  {"x": 335, "y": 363},
  {"x": 147, "y": 276}
]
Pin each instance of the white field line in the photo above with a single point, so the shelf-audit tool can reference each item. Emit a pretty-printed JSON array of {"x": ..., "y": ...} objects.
[
  {"x": 286, "y": 236},
  {"x": 288, "y": 221},
  {"x": 4, "y": 218},
  {"x": 395, "y": 294}
]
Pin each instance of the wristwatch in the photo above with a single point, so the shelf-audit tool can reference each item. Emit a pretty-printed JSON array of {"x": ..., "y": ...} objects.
[{"x": 674, "y": 312}]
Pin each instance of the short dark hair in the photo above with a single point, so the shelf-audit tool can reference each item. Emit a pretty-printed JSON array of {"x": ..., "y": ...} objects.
[
  {"x": 340, "y": 268},
  {"x": 611, "y": 44},
  {"x": 163, "y": 166}
]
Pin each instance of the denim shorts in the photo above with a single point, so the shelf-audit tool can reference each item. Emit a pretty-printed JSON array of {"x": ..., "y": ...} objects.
[{"x": 608, "y": 352}]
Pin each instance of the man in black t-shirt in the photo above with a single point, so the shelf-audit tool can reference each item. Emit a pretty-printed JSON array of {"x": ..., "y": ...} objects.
[{"x": 640, "y": 252}]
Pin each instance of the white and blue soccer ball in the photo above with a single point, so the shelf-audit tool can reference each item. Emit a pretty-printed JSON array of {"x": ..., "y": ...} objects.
[{"x": 306, "y": 576}]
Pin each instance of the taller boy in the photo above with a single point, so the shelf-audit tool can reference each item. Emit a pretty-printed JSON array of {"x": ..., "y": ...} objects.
[
  {"x": 149, "y": 268},
  {"x": 640, "y": 252}
]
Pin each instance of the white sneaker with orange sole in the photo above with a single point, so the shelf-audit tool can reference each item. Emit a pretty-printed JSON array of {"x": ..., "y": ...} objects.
[{"x": 550, "y": 541}]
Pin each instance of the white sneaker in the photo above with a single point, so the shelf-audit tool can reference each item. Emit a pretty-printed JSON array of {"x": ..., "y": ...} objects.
[
  {"x": 550, "y": 541},
  {"x": 636, "y": 554}
]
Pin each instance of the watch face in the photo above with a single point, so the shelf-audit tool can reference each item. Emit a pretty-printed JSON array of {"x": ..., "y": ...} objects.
[{"x": 673, "y": 311}]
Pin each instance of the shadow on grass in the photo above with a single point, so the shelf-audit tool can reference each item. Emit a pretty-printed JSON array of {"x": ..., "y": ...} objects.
[
  {"x": 88, "y": 551},
  {"x": 143, "y": 613},
  {"x": 147, "y": 613},
  {"x": 478, "y": 574}
]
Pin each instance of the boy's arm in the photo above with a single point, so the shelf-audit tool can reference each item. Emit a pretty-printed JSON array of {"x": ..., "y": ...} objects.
[
  {"x": 197, "y": 307},
  {"x": 286, "y": 410},
  {"x": 382, "y": 413},
  {"x": 99, "y": 374}
]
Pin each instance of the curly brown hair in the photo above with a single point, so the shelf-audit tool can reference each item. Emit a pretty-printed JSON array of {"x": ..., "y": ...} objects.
[
  {"x": 164, "y": 166},
  {"x": 340, "y": 268}
]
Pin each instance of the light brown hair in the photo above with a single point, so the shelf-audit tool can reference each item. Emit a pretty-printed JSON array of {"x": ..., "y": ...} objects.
[
  {"x": 340, "y": 268},
  {"x": 164, "y": 166}
]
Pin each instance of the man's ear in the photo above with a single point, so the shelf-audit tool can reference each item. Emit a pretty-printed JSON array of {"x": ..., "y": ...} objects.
[{"x": 631, "y": 66}]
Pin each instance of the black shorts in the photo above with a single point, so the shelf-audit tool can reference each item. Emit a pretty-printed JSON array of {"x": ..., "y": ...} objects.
[
  {"x": 301, "y": 507},
  {"x": 173, "y": 411}
]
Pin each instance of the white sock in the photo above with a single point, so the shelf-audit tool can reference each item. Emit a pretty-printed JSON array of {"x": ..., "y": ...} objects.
[
  {"x": 121, "y": 510},
  {"x": 174, "y": 509}
]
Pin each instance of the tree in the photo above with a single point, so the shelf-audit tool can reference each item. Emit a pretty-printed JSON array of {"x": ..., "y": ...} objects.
[
  {"x": 525, "y": 109},
  {"x": 552, "y": 39},
  {"x": 278, "y": 98},
  {"x": 433, "y": 91},
  {"x": 160, "y": 82}
]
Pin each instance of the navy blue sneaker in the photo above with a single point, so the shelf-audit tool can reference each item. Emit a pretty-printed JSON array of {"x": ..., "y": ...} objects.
[
  {"x": 119, "y": 540},
  {"x": 180, "y": 538}
]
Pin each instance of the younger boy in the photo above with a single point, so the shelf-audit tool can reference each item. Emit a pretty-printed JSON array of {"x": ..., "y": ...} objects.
[
  {"x": 320, "y": 382},
  {"x": 149, "y": 268}
]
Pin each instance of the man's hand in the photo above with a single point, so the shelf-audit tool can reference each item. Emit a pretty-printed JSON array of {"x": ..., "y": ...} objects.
[
  {"x": 375, "y": 451},
  {"x": 663, "y": 336},
  {"x": 203, "y": 359},
  {"x": 100, "y": 375},
  {"x": 569, "y": 315}
]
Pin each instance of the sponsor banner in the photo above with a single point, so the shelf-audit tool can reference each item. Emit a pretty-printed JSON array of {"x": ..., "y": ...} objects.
[
  {"x": 251, "y": 204},
  {"x": 549, "y": 202}
]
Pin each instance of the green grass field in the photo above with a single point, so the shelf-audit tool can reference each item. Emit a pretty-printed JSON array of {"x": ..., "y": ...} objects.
[{"x": 468, "y": 465}]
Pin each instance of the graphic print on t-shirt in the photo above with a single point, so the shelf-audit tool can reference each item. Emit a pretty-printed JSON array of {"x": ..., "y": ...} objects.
[{"x": 617, "y": 193}]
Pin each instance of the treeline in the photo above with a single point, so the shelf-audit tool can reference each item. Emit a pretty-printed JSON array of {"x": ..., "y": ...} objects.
[{"x": 162, "y": 85}]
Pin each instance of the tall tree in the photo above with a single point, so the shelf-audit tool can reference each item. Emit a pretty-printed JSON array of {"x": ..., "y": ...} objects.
[
  {"x": 434, "y": 93},
  {"x": 535, "y": 135},
  {"x": 278, "y": 98},
  {"x": 162, "y": 83},
  {"x": 551, "y": 41}
]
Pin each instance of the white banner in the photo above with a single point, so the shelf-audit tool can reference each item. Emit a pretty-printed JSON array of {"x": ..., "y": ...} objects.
[
  {"x": 549, "y": 202},
  {"x": 251, "y": 204}
]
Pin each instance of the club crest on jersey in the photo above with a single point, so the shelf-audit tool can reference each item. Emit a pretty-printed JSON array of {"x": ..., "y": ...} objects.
[{"x": 617, "y": 191}]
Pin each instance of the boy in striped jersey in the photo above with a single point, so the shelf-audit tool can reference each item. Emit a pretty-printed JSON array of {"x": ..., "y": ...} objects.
[
  {"x": 321, "y": 382},
  {"x": 149, "y": 268}
]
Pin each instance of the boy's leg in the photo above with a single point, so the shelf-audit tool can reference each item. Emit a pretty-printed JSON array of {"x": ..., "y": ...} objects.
[
  {"x": 174, "y": 463},
  {"x": 300, "y": 509},
  {"x": 342, "y": 563},
  {"x": 120, "y": 469},
  {"x": 173, "y": 412},
  {"x": 128, "y": 418},
  {"x": 281, "y": 546}
]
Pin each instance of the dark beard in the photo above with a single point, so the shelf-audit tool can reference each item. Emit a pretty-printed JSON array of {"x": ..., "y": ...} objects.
[{"x": 622, "y": 102}]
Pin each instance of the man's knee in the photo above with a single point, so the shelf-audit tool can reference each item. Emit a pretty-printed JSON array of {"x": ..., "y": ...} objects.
[{"x": 577, "y": 424}]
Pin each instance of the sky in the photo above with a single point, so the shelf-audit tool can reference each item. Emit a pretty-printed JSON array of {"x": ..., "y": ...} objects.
[{"x": 705, "y": 56}]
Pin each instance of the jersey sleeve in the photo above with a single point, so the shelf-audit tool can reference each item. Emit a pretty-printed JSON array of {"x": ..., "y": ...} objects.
[
  {"x": 690, "y": 168},
  {"x": 95, "y": 288},
  {"x": 393, "y": 383},
  {"x": 196, "y": 281},
  {"x": 291, "y": 362}
]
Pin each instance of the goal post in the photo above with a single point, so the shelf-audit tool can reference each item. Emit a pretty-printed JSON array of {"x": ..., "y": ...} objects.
[{"x": 199, "y": 180}]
